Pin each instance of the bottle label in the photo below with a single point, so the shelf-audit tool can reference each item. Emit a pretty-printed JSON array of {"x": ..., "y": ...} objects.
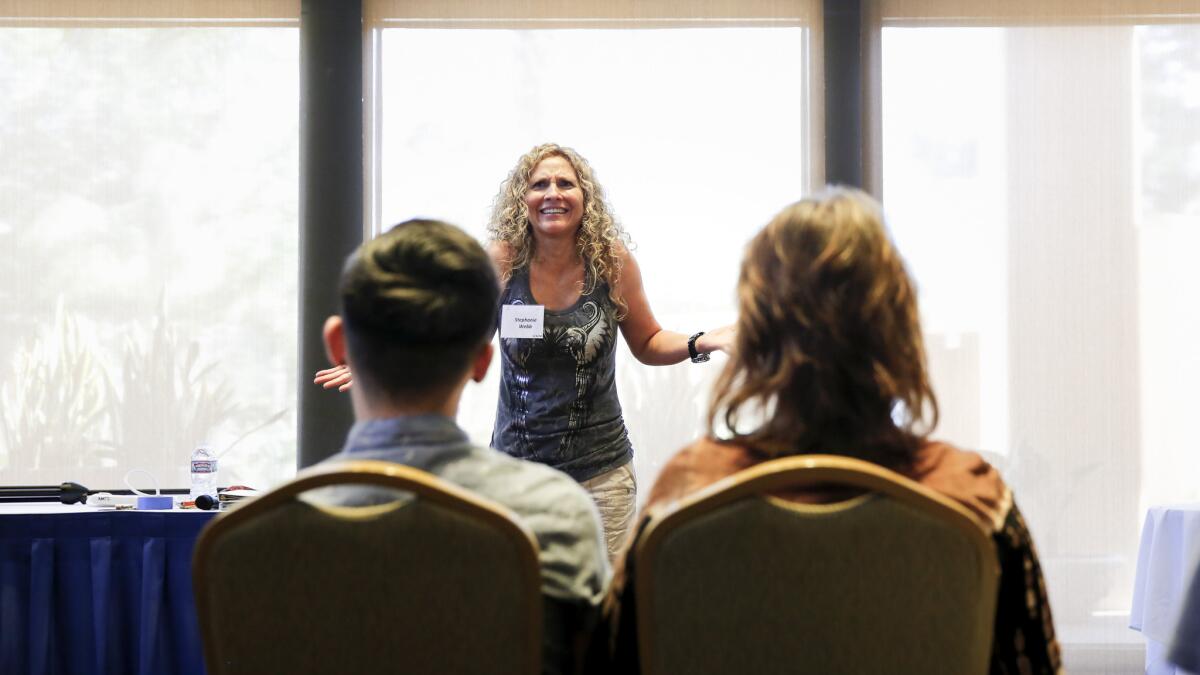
[{"x": 204, "y": 465}]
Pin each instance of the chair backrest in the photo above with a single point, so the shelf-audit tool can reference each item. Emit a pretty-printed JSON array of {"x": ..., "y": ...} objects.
[
  {"x": 735, "y": 580},
  {"x": 437, "y": 581}
]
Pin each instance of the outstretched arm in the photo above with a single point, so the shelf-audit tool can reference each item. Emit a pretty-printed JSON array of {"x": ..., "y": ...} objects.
[
  {"x": 649, "y": 342},
  {"x": 337, "y": 376}
]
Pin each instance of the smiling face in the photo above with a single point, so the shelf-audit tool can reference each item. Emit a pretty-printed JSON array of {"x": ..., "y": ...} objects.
[{"x": 554, "y": 199}]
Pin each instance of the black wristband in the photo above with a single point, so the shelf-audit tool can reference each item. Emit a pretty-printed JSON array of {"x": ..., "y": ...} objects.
[{"x": 697, "y": 357}]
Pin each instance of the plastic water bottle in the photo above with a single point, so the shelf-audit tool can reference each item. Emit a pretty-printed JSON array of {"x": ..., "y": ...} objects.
[{"x": 204, "y": 471}]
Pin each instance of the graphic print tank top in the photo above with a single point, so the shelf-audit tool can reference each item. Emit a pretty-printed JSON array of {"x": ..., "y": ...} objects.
[{"x": 558, "y": 395}]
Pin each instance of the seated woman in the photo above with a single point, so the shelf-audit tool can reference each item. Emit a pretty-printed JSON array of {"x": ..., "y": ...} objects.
[{"x": 829, "y": 344}]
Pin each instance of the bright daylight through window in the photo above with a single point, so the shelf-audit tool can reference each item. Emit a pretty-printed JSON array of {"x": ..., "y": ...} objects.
[
  {"x": 1042, "y": 186},
  {"x": 148, "y": 206},
  {"x": 674, "y": 122}
]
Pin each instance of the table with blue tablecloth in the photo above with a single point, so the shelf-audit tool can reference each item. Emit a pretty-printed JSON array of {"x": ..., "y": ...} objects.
[
  {"x": 91, "y": 592},
  {"x": 1167, "y": 558}
]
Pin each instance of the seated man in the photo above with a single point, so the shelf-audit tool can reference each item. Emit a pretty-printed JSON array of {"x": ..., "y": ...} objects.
[{"x": 417, "y": 318}]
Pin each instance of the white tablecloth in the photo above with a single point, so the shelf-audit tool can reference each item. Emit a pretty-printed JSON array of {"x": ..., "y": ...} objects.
[{"x": 1167, "y": 558}]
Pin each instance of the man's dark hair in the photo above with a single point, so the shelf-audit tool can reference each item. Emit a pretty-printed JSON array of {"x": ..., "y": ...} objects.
[{"x": 417, "y": 302}]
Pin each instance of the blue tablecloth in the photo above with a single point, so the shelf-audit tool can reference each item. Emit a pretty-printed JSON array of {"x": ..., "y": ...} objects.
[{"x": 90, "y": 592}]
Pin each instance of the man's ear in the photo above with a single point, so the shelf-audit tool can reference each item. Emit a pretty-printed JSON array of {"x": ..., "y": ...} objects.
[
  {"x": 335, "y": 340},
  {"x": 482, "y": 361}
]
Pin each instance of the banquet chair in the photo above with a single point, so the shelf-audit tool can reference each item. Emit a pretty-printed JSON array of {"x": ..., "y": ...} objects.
[
  {"x": 431, "y": 579},
  {"x": 736, "y": 579}
]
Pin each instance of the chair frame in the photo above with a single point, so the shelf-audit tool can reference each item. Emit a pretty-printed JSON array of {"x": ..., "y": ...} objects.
[
  {"x": 792, "y": 472},
  {"x": 379, "y": 474}
]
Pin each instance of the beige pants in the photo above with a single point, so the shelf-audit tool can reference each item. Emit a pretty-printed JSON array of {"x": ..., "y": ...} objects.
[{"x": 615, "y": 494}]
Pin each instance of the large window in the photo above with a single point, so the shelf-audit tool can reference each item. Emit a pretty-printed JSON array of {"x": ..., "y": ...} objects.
[
  {"x": 1038, "y": 163},
  {"x": 148, "y": 208},
  {"x": 699, "y": 132},
  {"x": 1040, "y": 175}
]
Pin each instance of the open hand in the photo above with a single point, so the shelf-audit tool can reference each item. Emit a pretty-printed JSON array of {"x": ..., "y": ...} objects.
[
  {"x": 337, "y": 376},
  {"x": 718, "y": 340}
]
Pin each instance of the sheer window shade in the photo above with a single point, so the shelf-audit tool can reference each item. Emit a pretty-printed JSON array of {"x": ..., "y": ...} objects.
[
  {"x": 701, "y": 122},
  {"x": 581, "y": 13},
  {"x": 148, "y": 211},
  {"x": 57, "y": 12},
  {"x": 1039, "y": 164},
  {"x": 1033, "y": 12}
]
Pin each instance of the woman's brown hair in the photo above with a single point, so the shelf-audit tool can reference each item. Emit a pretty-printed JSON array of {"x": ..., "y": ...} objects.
[{"x": 829, "y": 350}]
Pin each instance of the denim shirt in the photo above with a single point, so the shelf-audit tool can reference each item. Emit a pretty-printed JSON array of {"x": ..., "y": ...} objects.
[{"x": 561, "y": 515}]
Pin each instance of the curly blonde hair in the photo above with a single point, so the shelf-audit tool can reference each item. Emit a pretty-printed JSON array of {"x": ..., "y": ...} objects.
[
  {"x": 600, "y": 235},
  {"x": 829, "y": 346}
]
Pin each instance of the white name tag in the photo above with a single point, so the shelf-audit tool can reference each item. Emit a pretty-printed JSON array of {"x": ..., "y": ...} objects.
[{"x": 521, "y": 321}]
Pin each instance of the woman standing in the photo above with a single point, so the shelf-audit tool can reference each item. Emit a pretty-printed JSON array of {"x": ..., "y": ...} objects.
[
  {"x": 558, "y": 248},
  {"x": 570, "y": 283}
]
